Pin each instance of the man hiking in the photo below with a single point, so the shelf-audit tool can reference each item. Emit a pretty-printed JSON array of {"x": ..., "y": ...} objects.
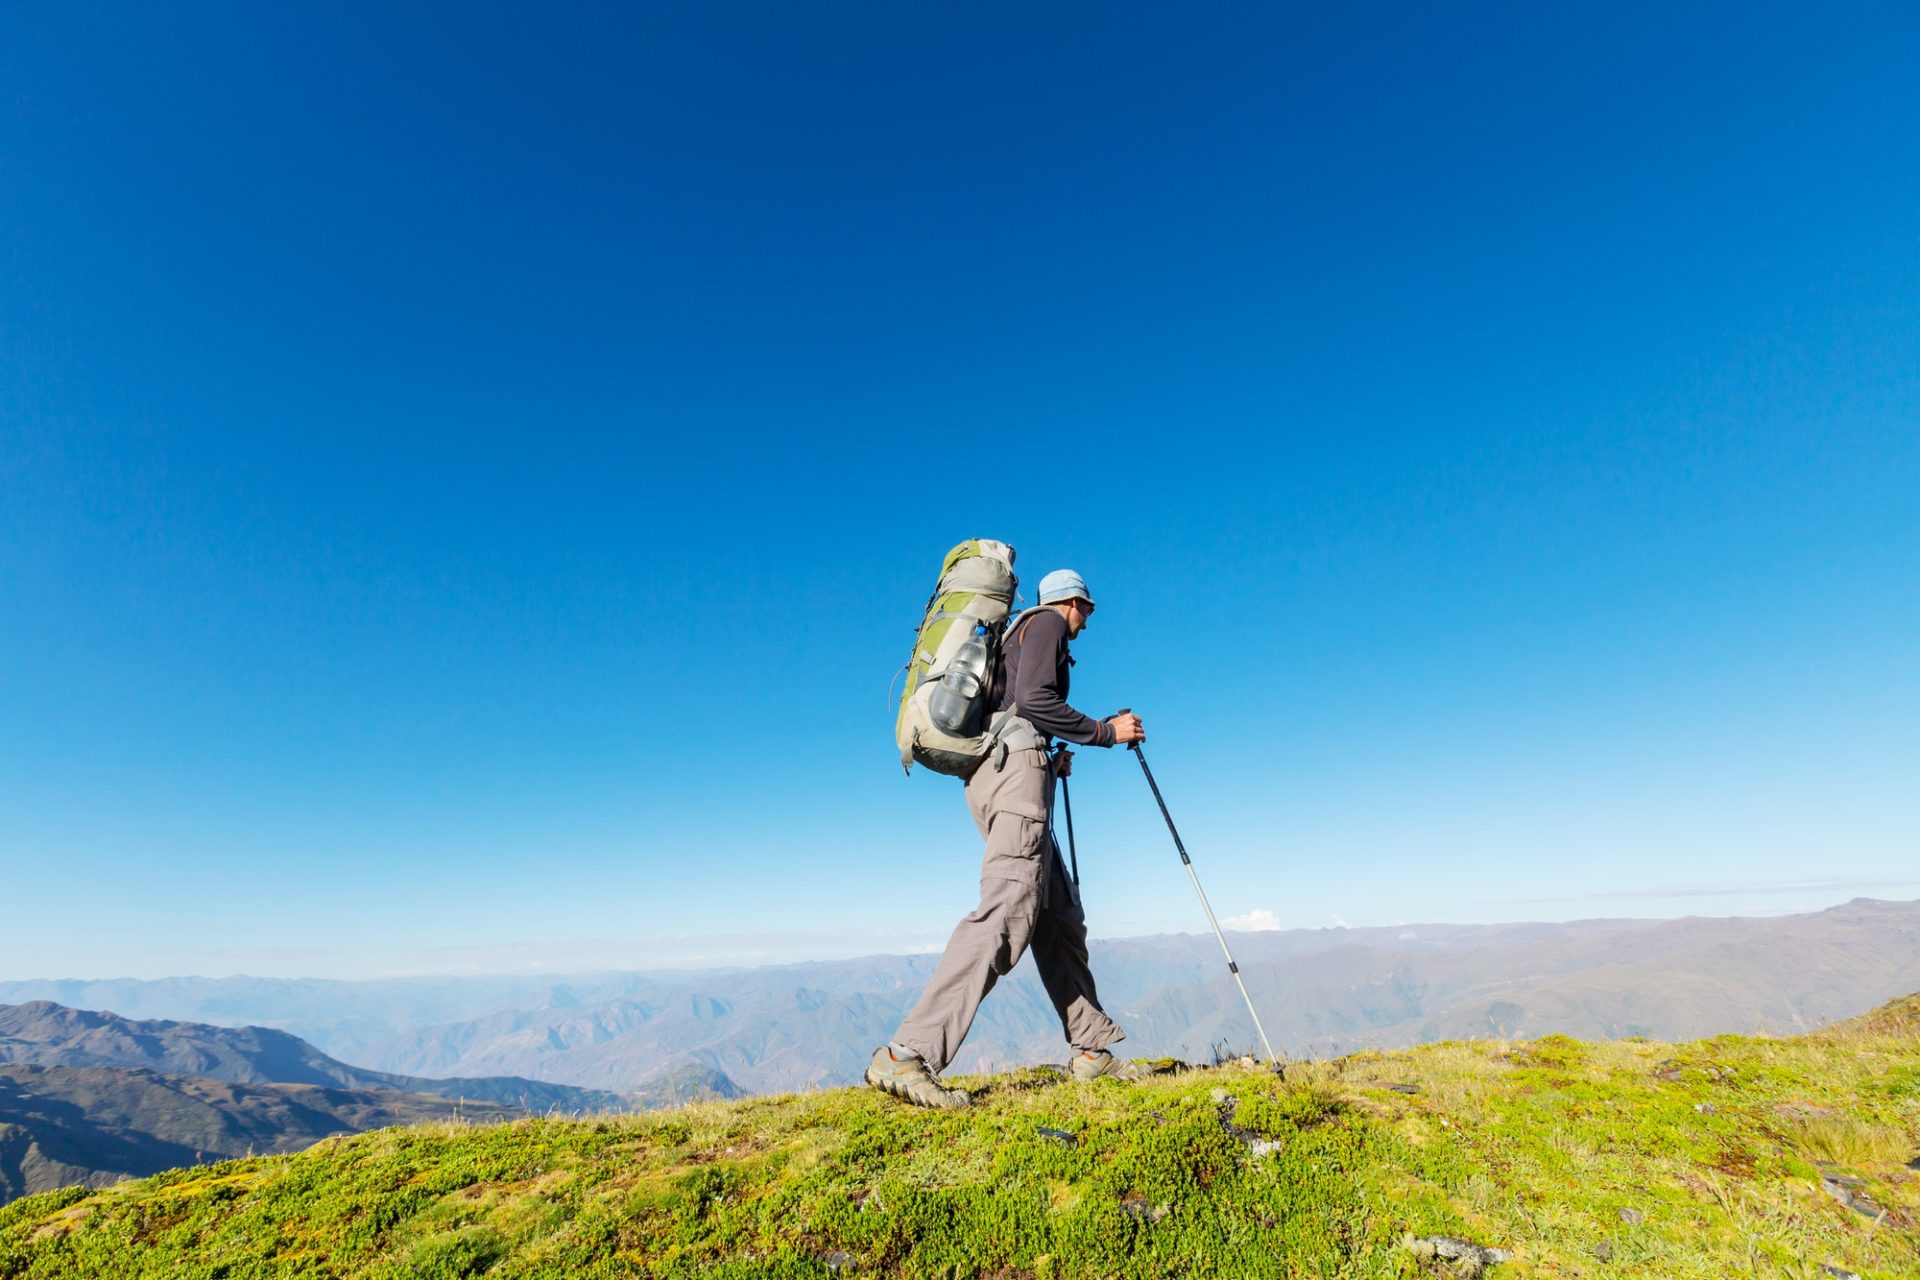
[{"x": 1026, "y": 898}]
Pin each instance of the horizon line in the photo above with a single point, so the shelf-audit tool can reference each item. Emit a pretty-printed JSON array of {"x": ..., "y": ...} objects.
[{"x": 592, "y": 972}]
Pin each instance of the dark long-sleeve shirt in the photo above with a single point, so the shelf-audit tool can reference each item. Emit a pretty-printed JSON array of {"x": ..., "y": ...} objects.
[{"x": 1036, "y": 678}]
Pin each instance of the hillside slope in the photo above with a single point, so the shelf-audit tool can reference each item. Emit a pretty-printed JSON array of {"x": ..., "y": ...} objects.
[
  {"x": 47, "y": 1034},
  {"x": 96, "y": 1125},
  {"x": 1735, "y": 1155}
]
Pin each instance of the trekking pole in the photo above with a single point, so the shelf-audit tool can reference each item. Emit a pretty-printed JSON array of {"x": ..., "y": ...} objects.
[
  {"x": 1232, "y": 967},
  {"x": 1073, "y": 855}
]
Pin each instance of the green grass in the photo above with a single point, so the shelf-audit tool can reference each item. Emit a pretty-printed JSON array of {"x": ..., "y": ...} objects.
[{"x": 1620, "y": 1159}]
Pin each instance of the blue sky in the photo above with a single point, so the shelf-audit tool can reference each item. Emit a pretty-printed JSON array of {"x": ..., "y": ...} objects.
[{"x": 467, "y": 475}]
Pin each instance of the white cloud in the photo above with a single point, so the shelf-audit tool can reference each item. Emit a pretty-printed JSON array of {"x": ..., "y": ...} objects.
[{"x": 1259, "y": 921}]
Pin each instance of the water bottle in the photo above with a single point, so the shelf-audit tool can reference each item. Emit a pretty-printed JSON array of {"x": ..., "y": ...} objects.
[{"x": 958, "y": 702}]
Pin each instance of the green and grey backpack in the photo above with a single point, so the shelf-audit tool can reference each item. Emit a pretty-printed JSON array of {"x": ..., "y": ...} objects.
[{"x": 955, "y": 667}]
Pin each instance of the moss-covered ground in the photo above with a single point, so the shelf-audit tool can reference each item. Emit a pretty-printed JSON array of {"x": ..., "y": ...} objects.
[{"x": 1736, "y": 1156}]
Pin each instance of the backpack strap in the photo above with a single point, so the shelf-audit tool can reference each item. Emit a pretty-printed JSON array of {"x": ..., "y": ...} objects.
[
  {"x": 1020, "y": 619},
  {"x": 996, "y": 749}
]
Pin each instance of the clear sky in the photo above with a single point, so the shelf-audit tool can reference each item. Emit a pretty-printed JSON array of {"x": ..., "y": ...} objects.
[{"x": 468, "y": 474}]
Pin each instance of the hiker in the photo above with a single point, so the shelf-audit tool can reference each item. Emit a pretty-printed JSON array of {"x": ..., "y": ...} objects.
[{"x": 1026, "y": 898}]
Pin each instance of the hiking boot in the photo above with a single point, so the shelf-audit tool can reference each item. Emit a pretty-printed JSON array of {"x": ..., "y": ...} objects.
[
  {"x": 1091, "y": 1066},
  {"x": 909, "y": 1078}
]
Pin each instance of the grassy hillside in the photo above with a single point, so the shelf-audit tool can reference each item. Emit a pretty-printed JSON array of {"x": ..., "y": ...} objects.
[
  {"x": 61, "y": 1125},
  {"x": 1732, "y": 1156}
]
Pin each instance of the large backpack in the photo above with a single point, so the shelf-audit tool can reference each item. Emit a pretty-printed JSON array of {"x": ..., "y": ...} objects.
[{"x": 973, "y": 597}]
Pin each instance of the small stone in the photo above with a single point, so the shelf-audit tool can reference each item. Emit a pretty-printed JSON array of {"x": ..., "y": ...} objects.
[
  {"x": 1469, "y": 1259},
  {"x": 1221, "y": 1095},
  {"x": 1632, "y": 1217},
  {"x": 1705, "y": 1108},
  {"x": 1404, "y": 1088},
  {"x": 1450, "y": 1247},
  {"x": 1838, "y": 1273},
  {"x": 1060, "y": 1136},
  {"x": 1136, "y": 1206},
  {"x": 1914, "y": 1163},
  {"x": 838, "y": 1260},
  {"x": 1603, "y": 1251},
  {"x": 1847, "y": 1192}
]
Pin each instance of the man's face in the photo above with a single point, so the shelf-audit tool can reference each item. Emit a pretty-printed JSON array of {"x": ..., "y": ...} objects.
[{"x": 1079, "y": 613}]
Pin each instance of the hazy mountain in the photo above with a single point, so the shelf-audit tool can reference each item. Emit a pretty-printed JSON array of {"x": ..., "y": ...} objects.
[
  {"x": 1671, "y": 980},
  {"x": 48, "y": 1034},
  {"x": 341, "y": 1018},
  {"x": 97, "y": 1125},
  {"x": 1319, "y": 991},
  {"x": 690, "y": 1083}
]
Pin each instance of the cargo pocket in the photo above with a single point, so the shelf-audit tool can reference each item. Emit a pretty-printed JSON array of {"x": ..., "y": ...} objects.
[{"x": 1016, "y": 842}]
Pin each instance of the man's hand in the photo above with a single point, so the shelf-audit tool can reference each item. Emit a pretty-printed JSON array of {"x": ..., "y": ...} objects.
[
  {"x": 1127, "y": 728},
  {"x": 1063, "y": 763}
]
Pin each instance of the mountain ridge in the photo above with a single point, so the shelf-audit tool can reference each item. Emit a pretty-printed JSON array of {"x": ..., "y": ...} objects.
[
  {"x": 98, "y": 1125},
  {"x": 1321, "y": 992},
  {"x": 48, "y": 1034},
  {"x": 90, "y": 1097}
]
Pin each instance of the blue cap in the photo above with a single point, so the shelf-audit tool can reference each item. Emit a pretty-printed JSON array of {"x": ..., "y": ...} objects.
[{"x": 1063, "y": 584}]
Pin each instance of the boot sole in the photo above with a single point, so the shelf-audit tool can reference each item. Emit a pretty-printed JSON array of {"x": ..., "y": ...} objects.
[
  {"x": 1109, "y": 1075},
  {"x": 887, "y": 1087}
]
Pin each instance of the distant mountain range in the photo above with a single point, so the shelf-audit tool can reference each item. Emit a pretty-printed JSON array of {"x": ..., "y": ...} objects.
[{"x": 1320, "y": 991}]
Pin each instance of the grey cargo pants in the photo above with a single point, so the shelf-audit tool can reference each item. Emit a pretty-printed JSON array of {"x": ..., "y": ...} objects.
[{"x": 1025, "y": 900}]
